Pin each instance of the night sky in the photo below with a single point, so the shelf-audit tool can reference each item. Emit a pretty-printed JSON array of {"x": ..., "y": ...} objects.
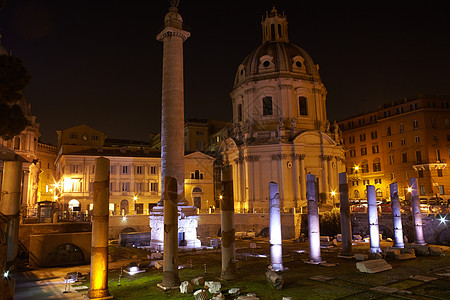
[{"x": 98, "y": 63}]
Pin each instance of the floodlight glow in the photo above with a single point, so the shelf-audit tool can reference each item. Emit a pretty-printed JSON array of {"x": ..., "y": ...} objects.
[
  {"x": 55, "y": 197},
  {"x": 356, "y": 168},
  {"x": 124, "y": 218},
  {"x": 6, "y": 274},
  {"x": 409, "y": 189},
  {"x": 220, "y": 197},
  {"x": 333, "y": 193},
  {"x": 442, "y": 219},
  {"x": 135, "y": 198}
]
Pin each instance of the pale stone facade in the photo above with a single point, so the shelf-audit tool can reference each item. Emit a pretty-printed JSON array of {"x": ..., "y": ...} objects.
[{"x": 280, "y": 130}]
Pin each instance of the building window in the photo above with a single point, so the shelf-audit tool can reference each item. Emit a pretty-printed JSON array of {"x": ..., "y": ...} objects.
[
  {"x": 365, "y": 168},
  {"x": 419, "y": 157},
  {"x": 363, "y": 151},
  {"x": 267, "y": 106},
  {"x": 138, "y": 187},
  {"x": 447, "y": 123},
  {"x": 376, "y": 166},
  {"x": 391, "y": 159},
  {"x": 433, "y": 123},
  {"x": 355, "y": 183},
  {"x": 387, "y": 114},
  {"x": 438, "y": 155},
  {"x": 403, "y": 142},
  {"x": 139, "y": 169},
  {"x": 152, "y": 169},
  {"x": 448, "y": 137},
  {"x": 361, "y": 122},
  {"x": 420, "y": 173},
  {"x": 350, "y": 124},
  {"x": 153, "y": 186},
  {"x": 351, "y": 139},
  {"x": 373, "y": 118},
  {"x": 439, "y": 173},
  {"x": 75, "y": 169},
  {"x": 362, "y": 137},
  {"x": 375, "y": 149},
  {"x": 415, "y": 124},
  {"x": 400, "y": 110},
  {"x": 124, "y": 169},
  {"x": 125, "y": 186},
  {"x": 404, "y": 157},
  {"x": 377, "y": 180},
  {"x": 402, "y": 127},
  {"x": 352, "y": 153},
  {"x": 417, "y": 139},
  {"x": 199, "y": 132},
  {"x": 388, "y": 131},
  {"x": 93, "y": 169},
  {"x": 373, "y": 135},
  {"x": 392, "y": 176},
  {"x": 366, "y": 182},
  {"x": 413, "y": 106},
  {"x": 95, "y": 137},
  {"x": 441, "y": 190},
  {"x": 73, "y": 135},
  {"x": 239, "y": 112},
  {"x": 379, "y": 193},
  {"x": 303, "y": 106},
  {"x": 422, "y": 190},
  {"x": 390, "y": 144}
]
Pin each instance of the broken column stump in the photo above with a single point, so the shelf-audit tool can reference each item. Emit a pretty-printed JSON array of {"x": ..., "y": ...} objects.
[{"x": 373, "y": 266}]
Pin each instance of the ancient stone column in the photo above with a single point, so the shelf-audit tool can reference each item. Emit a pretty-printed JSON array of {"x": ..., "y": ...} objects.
[
  {"x": 10, "y": 206},
  {"x": 170, "y": 264},
  {"x": 373, "y": 220},
  {"x": 172, "y": 115},
  {"x": 396, "y": 213},
  {"x": 346, "y": 224},
  {"x": 313, "y": 220},
  {"x": 417, "y": 215},
  {"x": 276, "y": 251},
  {"x": 227, "y": 222},
  {"x": 302, "y": 177},
  {"x": 324, "y": 187},
  {"x": 100, "y": 225},
  {"x": 330, "y": 173}
]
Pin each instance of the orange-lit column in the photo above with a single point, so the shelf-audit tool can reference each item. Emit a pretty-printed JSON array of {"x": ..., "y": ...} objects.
[
  {"x": 100, "y": 222},
  {"x": 346, "y": 224},
  {"x": 9, "y": 206}
]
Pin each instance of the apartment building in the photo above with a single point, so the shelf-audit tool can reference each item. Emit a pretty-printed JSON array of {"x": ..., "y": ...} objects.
[{"x": 398, "y": 141}]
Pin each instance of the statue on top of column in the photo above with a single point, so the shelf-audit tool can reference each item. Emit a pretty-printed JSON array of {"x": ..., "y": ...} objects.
[{"x": 174, "y": 3}]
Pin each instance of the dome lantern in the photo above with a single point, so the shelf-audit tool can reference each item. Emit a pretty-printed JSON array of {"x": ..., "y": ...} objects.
[{"x": 274, "y": 27}]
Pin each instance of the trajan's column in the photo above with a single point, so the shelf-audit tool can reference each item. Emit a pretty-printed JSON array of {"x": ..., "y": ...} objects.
[
  {"x": 172, "y": 136},
  {"x": 172, "y": 115}
]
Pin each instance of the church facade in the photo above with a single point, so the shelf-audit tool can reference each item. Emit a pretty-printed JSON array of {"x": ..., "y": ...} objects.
[{"x": 280, "y": 129}]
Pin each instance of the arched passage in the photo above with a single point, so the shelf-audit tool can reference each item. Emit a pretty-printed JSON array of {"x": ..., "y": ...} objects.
[{"x": 65, "y": 254}]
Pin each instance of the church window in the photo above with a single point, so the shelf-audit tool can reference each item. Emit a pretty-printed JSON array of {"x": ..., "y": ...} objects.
[
  {"x": 279, "y": 30},
  {"x": 239, "y": 111},
  {"x": 303, "y": 106},
  {"x": 298, "y": 64},
  {"x": 272, "y": 31},
  {"x": 267, "y": 106},
  {"x": 266, "y": 63}
]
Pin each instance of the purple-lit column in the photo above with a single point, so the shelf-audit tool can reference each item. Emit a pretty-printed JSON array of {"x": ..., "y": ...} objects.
[
  {"x": 100, "y": 221},
  {"x": 346, "y": 224},
  {"x": 396, "y": 213},
  {"x": 276, "y": 251},
  {"x": 417, "y": 215},
  {"x": 313, "y": 220},
  {"x": 227, "y": 222},
  {"x": 373, "y": 220}
]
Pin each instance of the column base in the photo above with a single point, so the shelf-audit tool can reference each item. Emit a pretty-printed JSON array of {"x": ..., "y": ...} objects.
[
  {"x": 98, "y": 294},
  {"x": 170, "y": 281}
]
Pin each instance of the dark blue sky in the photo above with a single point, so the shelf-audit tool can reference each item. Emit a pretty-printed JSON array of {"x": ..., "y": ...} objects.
[{"x": 97, "y": 62}]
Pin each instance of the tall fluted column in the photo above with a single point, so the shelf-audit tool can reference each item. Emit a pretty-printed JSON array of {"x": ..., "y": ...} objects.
[
  {"x": 396, "y": 213},
  {"x": 417, "y": 215},
  {"x": 373, "y": 220},
  {"x": 324, "y": 178},
  {"x": 100, "y": 225},
  {"x": 276, "y": 253},
  {"x": 330, "y": 174},
  {"x": 172, "y": 115},
  {"x": 296, "y": 180},
  {"x": 227, "y": 222}
]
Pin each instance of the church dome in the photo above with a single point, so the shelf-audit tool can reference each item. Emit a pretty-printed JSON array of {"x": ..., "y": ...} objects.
[{"x": 276, "y": 57}]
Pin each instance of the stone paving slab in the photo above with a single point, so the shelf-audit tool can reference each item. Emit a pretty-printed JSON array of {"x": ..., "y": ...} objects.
[
  {"x": 423, "y": 278},
  {"x": 322, "y": 278},
  {"x": 384, "y": 289}
]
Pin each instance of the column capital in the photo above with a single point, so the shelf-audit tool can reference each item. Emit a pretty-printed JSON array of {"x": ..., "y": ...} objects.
[
  {"x": 251, "y": 158},
  {"x": 170, "y": 31},
  {"x": 279, "y": 156},
  {"x": 302, "y": 156}
]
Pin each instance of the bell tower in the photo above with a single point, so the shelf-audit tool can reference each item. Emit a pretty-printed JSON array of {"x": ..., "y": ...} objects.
[{"x": 274, "y": 27}]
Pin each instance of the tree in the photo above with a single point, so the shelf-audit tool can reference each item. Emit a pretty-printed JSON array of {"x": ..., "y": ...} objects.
[{"x": 14, "y": 77}]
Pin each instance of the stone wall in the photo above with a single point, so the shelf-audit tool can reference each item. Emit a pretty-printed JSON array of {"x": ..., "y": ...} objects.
[
  {"x": 209, "y": 224},
  {"x": 132, "y": 223}
]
